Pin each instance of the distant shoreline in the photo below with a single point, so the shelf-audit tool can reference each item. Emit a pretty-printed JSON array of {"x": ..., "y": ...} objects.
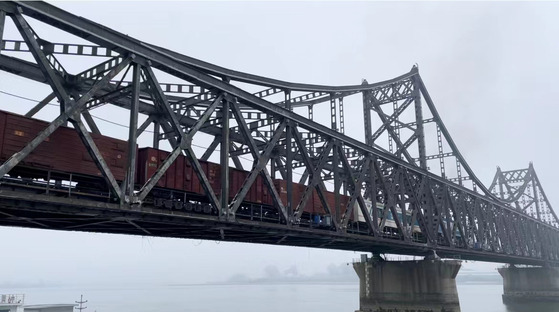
[{"x": 467, "y": 278}]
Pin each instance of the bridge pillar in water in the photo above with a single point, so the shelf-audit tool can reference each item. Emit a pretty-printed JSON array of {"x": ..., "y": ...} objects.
[
  {"x": 530, "y": 284},
  {"x": 427, "y": 285}
]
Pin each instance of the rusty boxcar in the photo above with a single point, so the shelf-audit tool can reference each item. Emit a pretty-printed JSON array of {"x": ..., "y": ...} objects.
[
  {"x": 179, "y": 176},
  {"x": 62, "y": 151}
]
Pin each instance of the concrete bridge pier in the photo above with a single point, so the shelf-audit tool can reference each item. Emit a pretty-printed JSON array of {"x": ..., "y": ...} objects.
[
  {"x": 426, "y": 285},
  {"x": 530, "y": 284}
]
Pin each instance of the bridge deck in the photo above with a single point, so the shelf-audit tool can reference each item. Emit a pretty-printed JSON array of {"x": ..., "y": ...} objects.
[{"x": 24, "y": 209}]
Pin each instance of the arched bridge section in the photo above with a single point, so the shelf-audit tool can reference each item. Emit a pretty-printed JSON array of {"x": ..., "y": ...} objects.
[{"x": 269, "y": 171}]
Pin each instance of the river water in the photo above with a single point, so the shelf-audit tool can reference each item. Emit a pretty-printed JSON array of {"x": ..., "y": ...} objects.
[{"x": 248, "y": 298}]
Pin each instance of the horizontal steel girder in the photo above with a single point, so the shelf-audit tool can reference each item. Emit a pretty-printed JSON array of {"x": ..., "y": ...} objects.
[{"x": 75, "y": 214}]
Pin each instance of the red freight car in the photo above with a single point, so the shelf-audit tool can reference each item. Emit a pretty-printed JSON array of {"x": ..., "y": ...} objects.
[
  {"x": 258, "y": 192},
  {"x": 330, "y": 197},
  {"x": 180, "y": 175},
  {"x": 314, "y": 204},
  {"x": 298, "y": 192},
  {"x": 62, "y": 151}
]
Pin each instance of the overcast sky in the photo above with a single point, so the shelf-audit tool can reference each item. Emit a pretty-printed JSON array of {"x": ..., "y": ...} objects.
[{"x": 489, "y": 67}]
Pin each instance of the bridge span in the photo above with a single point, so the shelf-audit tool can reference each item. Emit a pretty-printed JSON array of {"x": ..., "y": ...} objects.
[
  {"x": 269, "y": 172},
  {"x": 426, "y": 195}
]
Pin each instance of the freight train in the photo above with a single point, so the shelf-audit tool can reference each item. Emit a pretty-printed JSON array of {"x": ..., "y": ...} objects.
[{"x": 61, "y": 165}]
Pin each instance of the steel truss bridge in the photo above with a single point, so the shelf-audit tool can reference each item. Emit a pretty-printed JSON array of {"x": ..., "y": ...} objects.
[{"x": 407, "y": 162}]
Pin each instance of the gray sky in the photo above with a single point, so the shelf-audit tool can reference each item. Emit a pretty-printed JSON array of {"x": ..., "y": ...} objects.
[{"x": 489, "y": 68}]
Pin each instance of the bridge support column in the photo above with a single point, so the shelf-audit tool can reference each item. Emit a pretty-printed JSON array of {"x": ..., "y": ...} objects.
[
  {"x": 427, "y": 285},
  {"x": 530, "y": 284}
]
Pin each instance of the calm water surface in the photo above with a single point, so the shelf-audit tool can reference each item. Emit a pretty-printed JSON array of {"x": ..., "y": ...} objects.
[{"x": 249, "y": 298}]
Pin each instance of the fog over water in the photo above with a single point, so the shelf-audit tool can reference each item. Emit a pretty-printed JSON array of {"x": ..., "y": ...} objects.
[
  {"x": 489, "y": 67},
  {"x": 271, "y": 297}
]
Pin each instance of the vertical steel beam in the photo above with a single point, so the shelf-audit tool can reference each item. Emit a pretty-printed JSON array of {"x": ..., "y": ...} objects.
[
  {"x": 536, "y": 196},
  {"x": 367, "y": 116},
  {"x": 289, "y": 160},
  {"x": 333, "y": 122},
  {"x": 459, "y": 171},
  {"x": 341, "y": 111},
  {"x": 342, "y": 130},
  {"x": 273, "y": 169},
  {"x": 2, "y": 22},
  {"x": 132, "y": 134},
  {"x": 441, "y": 152},
  {"x": 337, "y": 180},
  {"x": 224, "y": 158},
  {"x": 499, "y": 179},
  {"x": 419, "y": 125},
  {"x": 156, "y": 130},
  {"x": 373, "y": 190}
]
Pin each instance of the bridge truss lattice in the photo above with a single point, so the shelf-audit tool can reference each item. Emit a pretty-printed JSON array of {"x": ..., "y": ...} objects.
[
  {"x": 522, "y": 189},
  {"x": 420, "y": 179}
]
